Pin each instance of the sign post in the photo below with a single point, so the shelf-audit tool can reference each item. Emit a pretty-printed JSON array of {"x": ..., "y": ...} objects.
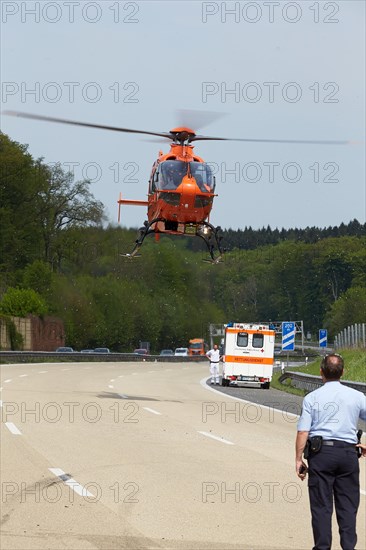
[
  {"x": 288, "y": 337},
  {"x": 323, "y": 337}
]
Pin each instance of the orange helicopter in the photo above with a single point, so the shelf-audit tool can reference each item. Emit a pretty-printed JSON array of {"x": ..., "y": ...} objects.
[{"x": 181, "y": 186}]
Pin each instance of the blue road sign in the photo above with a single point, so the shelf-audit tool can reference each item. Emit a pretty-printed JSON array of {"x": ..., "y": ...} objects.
[
  {"x": 323, "y": 335},
  {"x": 288, "y": 336}
]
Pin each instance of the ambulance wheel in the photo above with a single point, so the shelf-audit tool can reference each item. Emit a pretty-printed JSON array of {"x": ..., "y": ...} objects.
[
  {"x": 265, "y": 386},
  {"x": 224, "y": 382}
]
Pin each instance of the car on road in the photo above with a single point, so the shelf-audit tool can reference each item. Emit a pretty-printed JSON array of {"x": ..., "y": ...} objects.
[
  {"x": 181, "y": 352},
  {"x": 140, "y": 351},
  {"x": 101, "y": 350},
  {"x": 65, "y": 349},
  {"x": 167, "y": 352},
  {"x": 86, "y": 351}
]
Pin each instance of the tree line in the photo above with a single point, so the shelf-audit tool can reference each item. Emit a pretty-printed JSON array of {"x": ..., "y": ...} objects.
[{"x": 58, "y": 257}]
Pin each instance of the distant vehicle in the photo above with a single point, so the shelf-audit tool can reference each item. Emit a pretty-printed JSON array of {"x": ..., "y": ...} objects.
[
  {"x": 248, "y": 355},
  {"x": 197, "y": 346},
  {"x": 181, "y": 352},
  {"x": 167, "y": 352},
  {"x": 65, "y": 350},
  {"x": 140, "y": 351},
  {"x": 86, "y": 351},
  {"x": 101, "y": 350}
]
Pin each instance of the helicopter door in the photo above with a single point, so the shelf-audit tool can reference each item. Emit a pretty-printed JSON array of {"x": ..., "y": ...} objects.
[{"x": 154, "y": 182}]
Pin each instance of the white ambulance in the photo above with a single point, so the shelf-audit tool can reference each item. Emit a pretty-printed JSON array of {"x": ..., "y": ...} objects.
[{"x": 248, "y": 355}]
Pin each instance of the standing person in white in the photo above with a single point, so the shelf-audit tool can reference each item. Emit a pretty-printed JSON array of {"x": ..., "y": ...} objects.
[{"x": 214, "y": 356}]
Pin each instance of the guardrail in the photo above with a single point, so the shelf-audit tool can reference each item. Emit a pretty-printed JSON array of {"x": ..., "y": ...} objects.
[
  {"x": 53, "y": 356},
  {"x": 309, "y": 382}
]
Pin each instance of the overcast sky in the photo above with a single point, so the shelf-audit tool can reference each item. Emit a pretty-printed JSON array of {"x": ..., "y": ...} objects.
[{"x": 276, "y": 70}]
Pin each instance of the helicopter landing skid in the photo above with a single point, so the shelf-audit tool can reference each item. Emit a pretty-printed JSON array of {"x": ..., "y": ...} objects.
[
  {"x": 210, "y": 235},
  {"x": 142, "y": 233},
  {"x": 213, "y": 240}
]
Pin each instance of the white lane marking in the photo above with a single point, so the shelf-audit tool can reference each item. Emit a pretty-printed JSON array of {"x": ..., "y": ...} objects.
[
  {"x": 112, "y": 380},
  {"x": 65, "y": 369},
  {"x": 204, "y": 385},
  {"x": 1, "y": 389},
  {"x": 42, "y": 371},
  {"x": 1, "y": 403},
  {"x": 7, "y": 381},
  {"x": 122, "y": 395},
  {"x": 121, "y": 376},
  {"x": 22, "y": 375},
  {"x": 12, "y": 428},
  {"x": 75, "y": 486},
  {"x": 151, "y": 410},
  {"x": 221, "y": 439},
  {"x": 110, "y": 386},
  {"x": 363, "y": 492}
]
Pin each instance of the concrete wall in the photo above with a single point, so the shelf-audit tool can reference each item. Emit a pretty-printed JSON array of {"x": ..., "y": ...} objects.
[{"x": 38, "y": 334}]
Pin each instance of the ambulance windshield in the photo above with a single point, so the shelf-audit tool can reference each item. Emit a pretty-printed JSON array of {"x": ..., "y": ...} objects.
[
  {"x": 242, "y": 339},
  {"x": 258, "y": 340}
]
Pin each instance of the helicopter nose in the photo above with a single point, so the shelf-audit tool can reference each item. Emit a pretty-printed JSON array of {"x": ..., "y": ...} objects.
[{"x": 188, "y": 191}]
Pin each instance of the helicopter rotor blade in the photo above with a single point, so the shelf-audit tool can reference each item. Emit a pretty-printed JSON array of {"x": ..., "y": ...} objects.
[
  {"x": 194, "y": 118},
  {"x": 166, "y": 135},
  {"x": 249, "y": 140}
]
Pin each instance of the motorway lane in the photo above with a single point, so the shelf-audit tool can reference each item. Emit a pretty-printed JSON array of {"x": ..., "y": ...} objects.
[{"x": 167, "y": 463}]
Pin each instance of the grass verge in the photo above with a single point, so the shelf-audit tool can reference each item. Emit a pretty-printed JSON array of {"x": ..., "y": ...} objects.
[{"x": 354, "y": 370}]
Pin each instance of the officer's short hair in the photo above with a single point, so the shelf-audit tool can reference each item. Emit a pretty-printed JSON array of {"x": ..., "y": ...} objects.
[{"x": 332, "y": 366}]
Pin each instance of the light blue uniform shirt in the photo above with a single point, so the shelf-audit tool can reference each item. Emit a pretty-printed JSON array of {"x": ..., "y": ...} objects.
[{"x": 333, "y": 411}]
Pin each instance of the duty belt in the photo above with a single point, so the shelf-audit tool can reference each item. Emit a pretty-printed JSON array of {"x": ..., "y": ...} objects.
[{"x": 337, "y": 443}]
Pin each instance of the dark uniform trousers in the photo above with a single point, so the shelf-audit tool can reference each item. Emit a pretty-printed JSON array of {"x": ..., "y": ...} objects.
[{"x": 334, "y": 472}]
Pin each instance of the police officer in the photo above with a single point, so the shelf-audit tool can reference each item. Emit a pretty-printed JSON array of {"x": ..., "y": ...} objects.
[
  {"x": 214, "y": 356},
  {"x": 331, "y": 412}
]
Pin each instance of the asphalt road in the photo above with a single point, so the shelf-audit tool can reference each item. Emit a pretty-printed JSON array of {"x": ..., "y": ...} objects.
[{"x": 147, "y": 456}]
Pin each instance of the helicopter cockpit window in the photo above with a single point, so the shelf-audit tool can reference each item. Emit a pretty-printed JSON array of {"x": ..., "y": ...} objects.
[
  {"x": 202, "y": 173},
  {"x": 172, "y": 173}
]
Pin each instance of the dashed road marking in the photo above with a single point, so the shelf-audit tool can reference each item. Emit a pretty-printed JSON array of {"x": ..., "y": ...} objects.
[
  {"x": 12, "y": 428},
  {"x": 7, "y": 381},
  {"x": 42, "y": 371},
  {"x": 75, "y": 486},
  {"x": 151, "y": 410},
  {"x": 22, "y": 375},
  {"x": 221, "y": 439}
]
